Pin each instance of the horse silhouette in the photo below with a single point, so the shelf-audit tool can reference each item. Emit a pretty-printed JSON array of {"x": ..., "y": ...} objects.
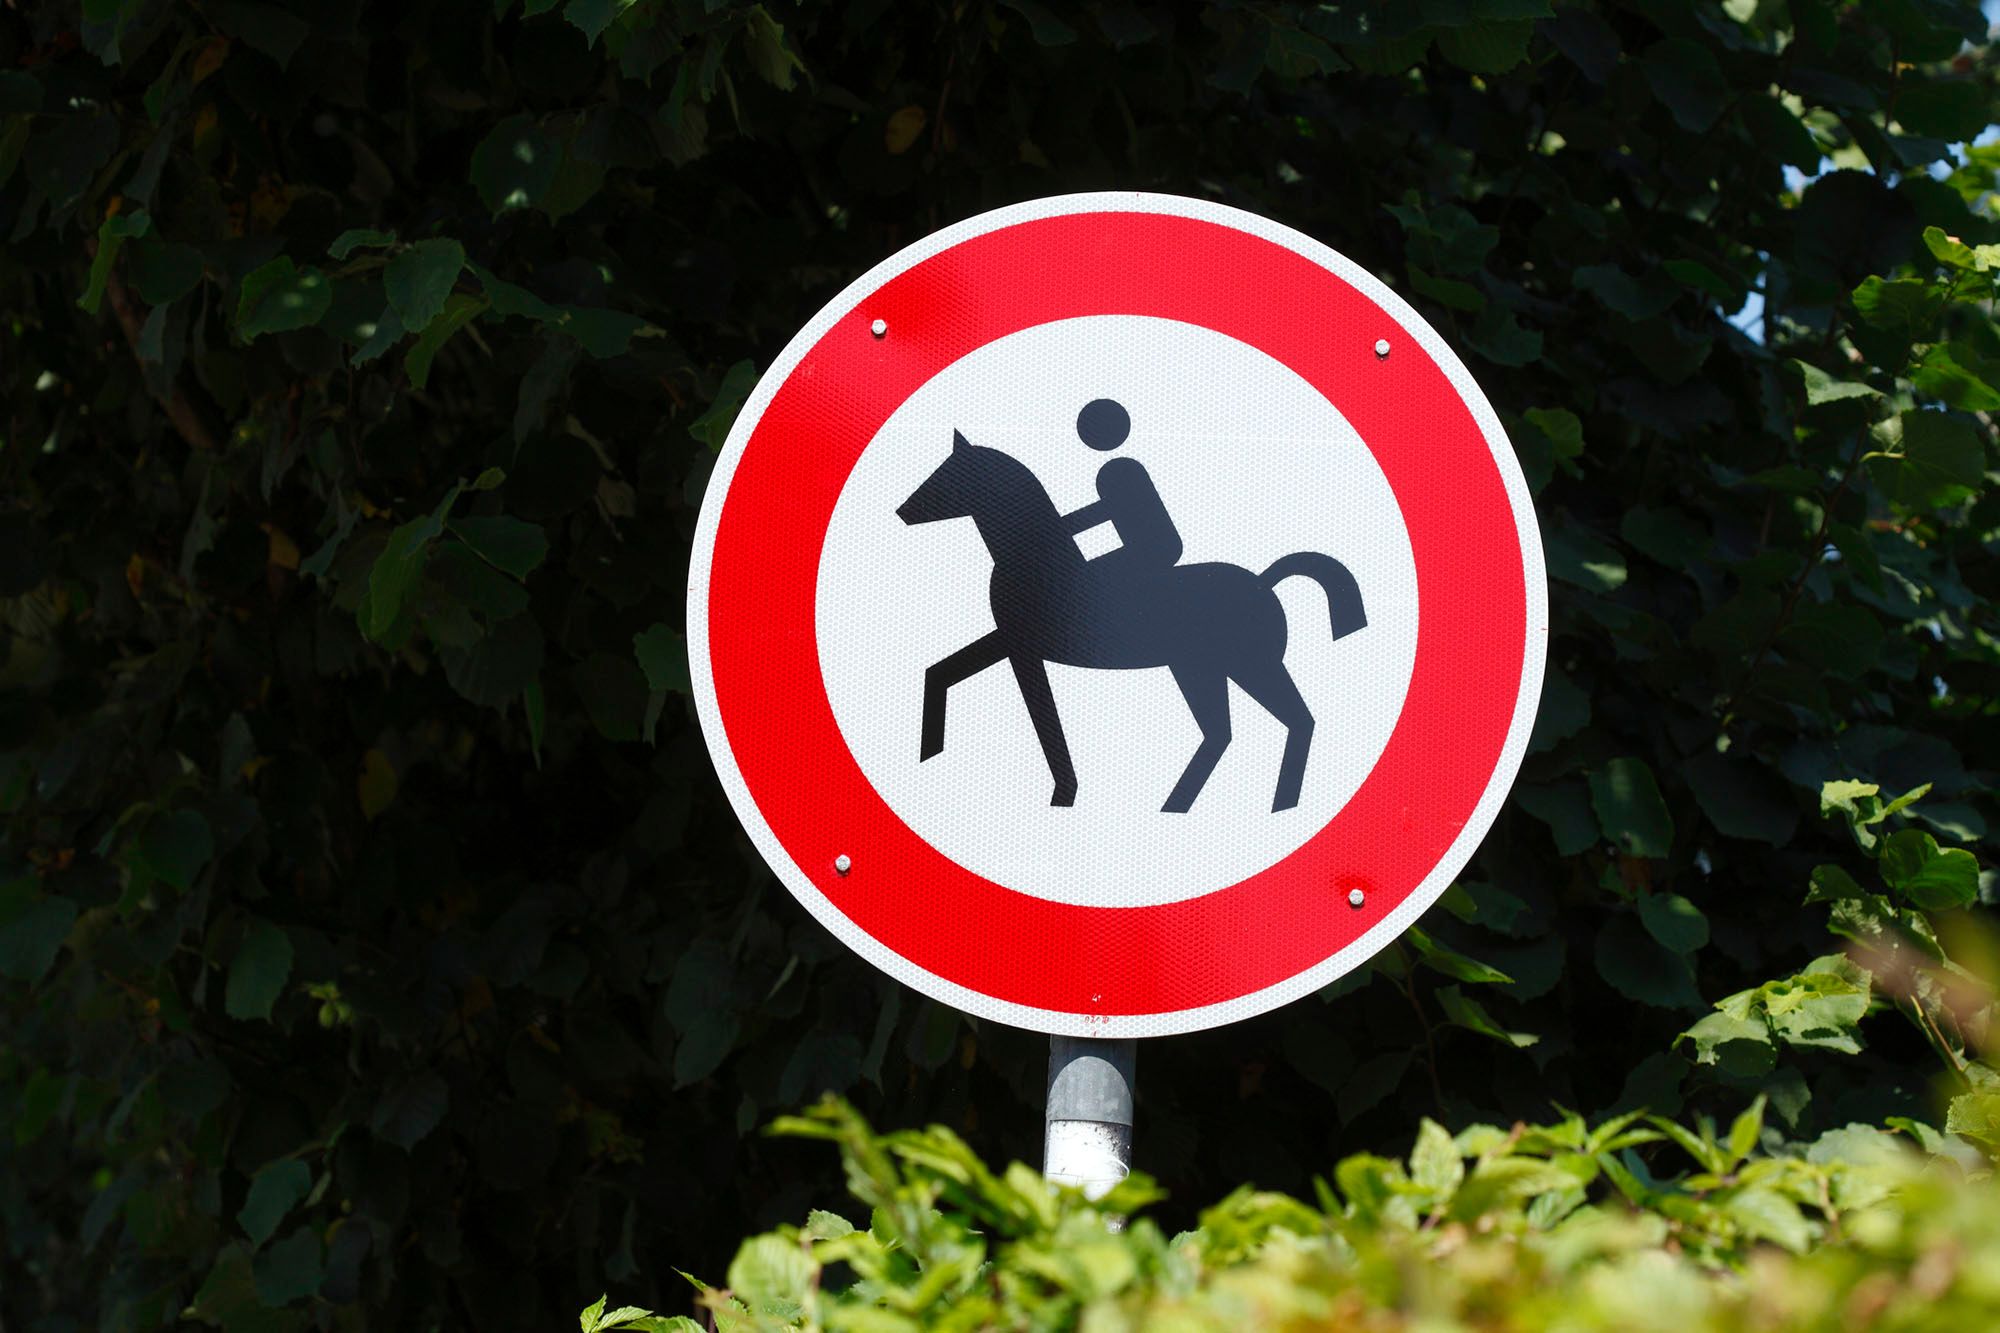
[{"x": 1208, "y": 624}]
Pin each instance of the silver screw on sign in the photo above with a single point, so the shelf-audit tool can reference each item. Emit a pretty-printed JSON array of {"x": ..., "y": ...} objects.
[
  {"x": 1381, "y": 348},
  {"x": 842, "y": 864},
  {"x": 1356, "y": 897},
  {"x": 879, "y": 328}
]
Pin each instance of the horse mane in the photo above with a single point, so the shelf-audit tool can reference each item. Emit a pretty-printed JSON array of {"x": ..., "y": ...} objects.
[{"x": 1027, "y": 514}]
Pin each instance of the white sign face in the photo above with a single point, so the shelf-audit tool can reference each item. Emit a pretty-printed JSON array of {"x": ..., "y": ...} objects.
[
  {"x": 1117, "y": 615},
  {"x": 1252, "y": 463}
]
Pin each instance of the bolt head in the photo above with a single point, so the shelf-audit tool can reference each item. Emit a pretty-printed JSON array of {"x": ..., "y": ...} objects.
[
  {"x": 1356, "y": 897},
  {"x": 842, "y": 864},
  {"x": 879, "y": 328},
  {"x": 1381, "y": 349}
]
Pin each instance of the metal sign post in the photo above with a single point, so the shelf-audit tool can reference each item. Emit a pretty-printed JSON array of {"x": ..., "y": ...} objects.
[{"x": 1088, "y": 1129}]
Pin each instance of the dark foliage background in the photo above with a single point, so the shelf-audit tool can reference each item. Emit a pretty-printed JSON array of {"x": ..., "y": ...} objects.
[{"x": 378, "y": 948}]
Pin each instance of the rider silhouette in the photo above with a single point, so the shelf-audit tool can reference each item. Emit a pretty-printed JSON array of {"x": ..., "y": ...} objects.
[{"x": 1148, "y": 541}]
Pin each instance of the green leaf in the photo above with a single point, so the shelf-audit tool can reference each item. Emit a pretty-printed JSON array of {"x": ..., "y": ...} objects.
[
  {"x": 504, "y": 663},
  {"x": 1577, "y": 557},
  {"x": 20, "y": 93},
  {"x": 395, "y": 570},
  {"x": 1905, "y": 308},
  {"x": 1563, "y": 429},
  {"x": 712, "y": 426},
  {"x": 1933, "y": 460},
  {"x": 1042, "y": 22},
  {"x": 290, "y": 1270},
  {"x": 280, "y": 297},
  {"x": 614, "y": 694},
  {"x": 1487, "y": 48},
  {"x": 1819, "y": 1008},
  {"x": 1832, "y": 884},
  {"x": 1960, "y": 375},
  {"x": 515, "y": 165},
  {"x": 704, "y": 1045},
  {"x": 1742, "y": 799},
  {"x": 1744, "y": 1133},
  {"x": 1957, "y": 254},
  {"x": 1434, "y": 1162},
  {"x": 1951, "y": 109},
  {"x": 162, "y": 271},
  {"x": 228, "y": 1299},
  {"x": 510, "y": 544},
  {"x": 1641, "y": 968},
  {"x": 1765, "y": 1214},
  {"x": 359, "y": 238},
  {"x": 1448, "y": 292},
  {"x": 410, "y": 1110},
  {"x": 1565, "y": 808},
  {"x": 1499, "y": 337},
  {"x": 1684, "y": 76},
  {"x": 764, "y": 43},
  {"x": 459, "y": 310},
  {"x": 1453, "y": 964},
  {"x": 1371, "y": 1081},
  {"x": 112, "y": 234},
  {"x": 601, "y": 332},
  {"x": 32, "y": 929},
  {"x": 258, "y": 972},
  {"x": 174, "y": 847},
  {"x": 592, "y": 17},
  {"x": 1629, "y": 808},
  {"x": 772, "y": 1274},
  {"x": 274, "y": 1190},
  {"x": 822, "y": 1225},
  {"x": 535, "y": 705},
  {"x": 662, "y": 656},
  {"x": 1464, "y": 1011},
  {"x": 386, "y": 333},
  {"x": 419, "y": 280},
  {"x": 1976, "y": 1115},
  {"x": 1674, "y": 921},
  {"x": 1822, "y": 388},
  {"x": 509, "y": 299},
  {"x": 1933, "y": 878},
  {"x": 1623, "y": 294},
  {"x": 1742, "y": 1047},
  {"x": 269, "y": 28}
]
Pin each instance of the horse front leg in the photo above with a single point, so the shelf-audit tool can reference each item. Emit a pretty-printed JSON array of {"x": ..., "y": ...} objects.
[
  {"x": 1033, "y": 676},
  {"x": 970, "y": 660}
]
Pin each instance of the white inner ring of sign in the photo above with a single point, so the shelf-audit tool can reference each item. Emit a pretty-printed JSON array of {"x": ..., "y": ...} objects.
[{"x": 1252, "y": 464}]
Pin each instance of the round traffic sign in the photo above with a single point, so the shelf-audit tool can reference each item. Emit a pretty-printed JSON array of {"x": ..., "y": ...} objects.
[{"x": 1117, "y": 615}]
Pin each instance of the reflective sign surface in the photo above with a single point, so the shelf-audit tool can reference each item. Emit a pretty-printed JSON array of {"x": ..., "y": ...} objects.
[{"x": 1117, "y": 615}]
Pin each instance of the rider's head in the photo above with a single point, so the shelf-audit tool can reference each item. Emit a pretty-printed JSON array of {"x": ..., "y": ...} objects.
[{"x": 1103, "y": 424}]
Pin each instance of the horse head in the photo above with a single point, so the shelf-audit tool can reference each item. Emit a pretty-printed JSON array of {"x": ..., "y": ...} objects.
[{"x": 947, "y": 492}]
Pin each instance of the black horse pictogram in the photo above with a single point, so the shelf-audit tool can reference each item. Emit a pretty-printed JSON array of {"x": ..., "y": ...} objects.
[{"x": 1208, "y": 624}]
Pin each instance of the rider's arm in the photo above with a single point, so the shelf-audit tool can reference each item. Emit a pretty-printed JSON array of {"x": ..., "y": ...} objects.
[{"x": 1086, "y": 518}]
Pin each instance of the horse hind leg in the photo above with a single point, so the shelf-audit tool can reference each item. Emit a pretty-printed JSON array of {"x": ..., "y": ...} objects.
[
  {"x": 1272, "y": 686},
  {"x": 1208, "y": 699}
]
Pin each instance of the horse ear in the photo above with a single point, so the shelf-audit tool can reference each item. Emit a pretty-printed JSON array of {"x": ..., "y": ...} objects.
[{"x": 959, "y": 442}]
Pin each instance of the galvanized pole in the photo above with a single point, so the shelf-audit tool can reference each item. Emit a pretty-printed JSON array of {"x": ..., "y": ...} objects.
[{"x": 1088, "y": 1126}]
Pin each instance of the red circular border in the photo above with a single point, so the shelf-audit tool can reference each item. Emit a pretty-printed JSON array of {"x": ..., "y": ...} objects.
[{"x": 1238, "y": 940}]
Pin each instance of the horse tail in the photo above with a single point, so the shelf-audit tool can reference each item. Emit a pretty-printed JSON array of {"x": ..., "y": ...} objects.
[{"x": 1343, "y": 595}]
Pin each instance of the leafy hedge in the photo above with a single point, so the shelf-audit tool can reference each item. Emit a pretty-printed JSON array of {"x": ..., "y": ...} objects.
[
  {"x": 1553, "y": 1227},
  {"x": 375, "y": 945}
]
